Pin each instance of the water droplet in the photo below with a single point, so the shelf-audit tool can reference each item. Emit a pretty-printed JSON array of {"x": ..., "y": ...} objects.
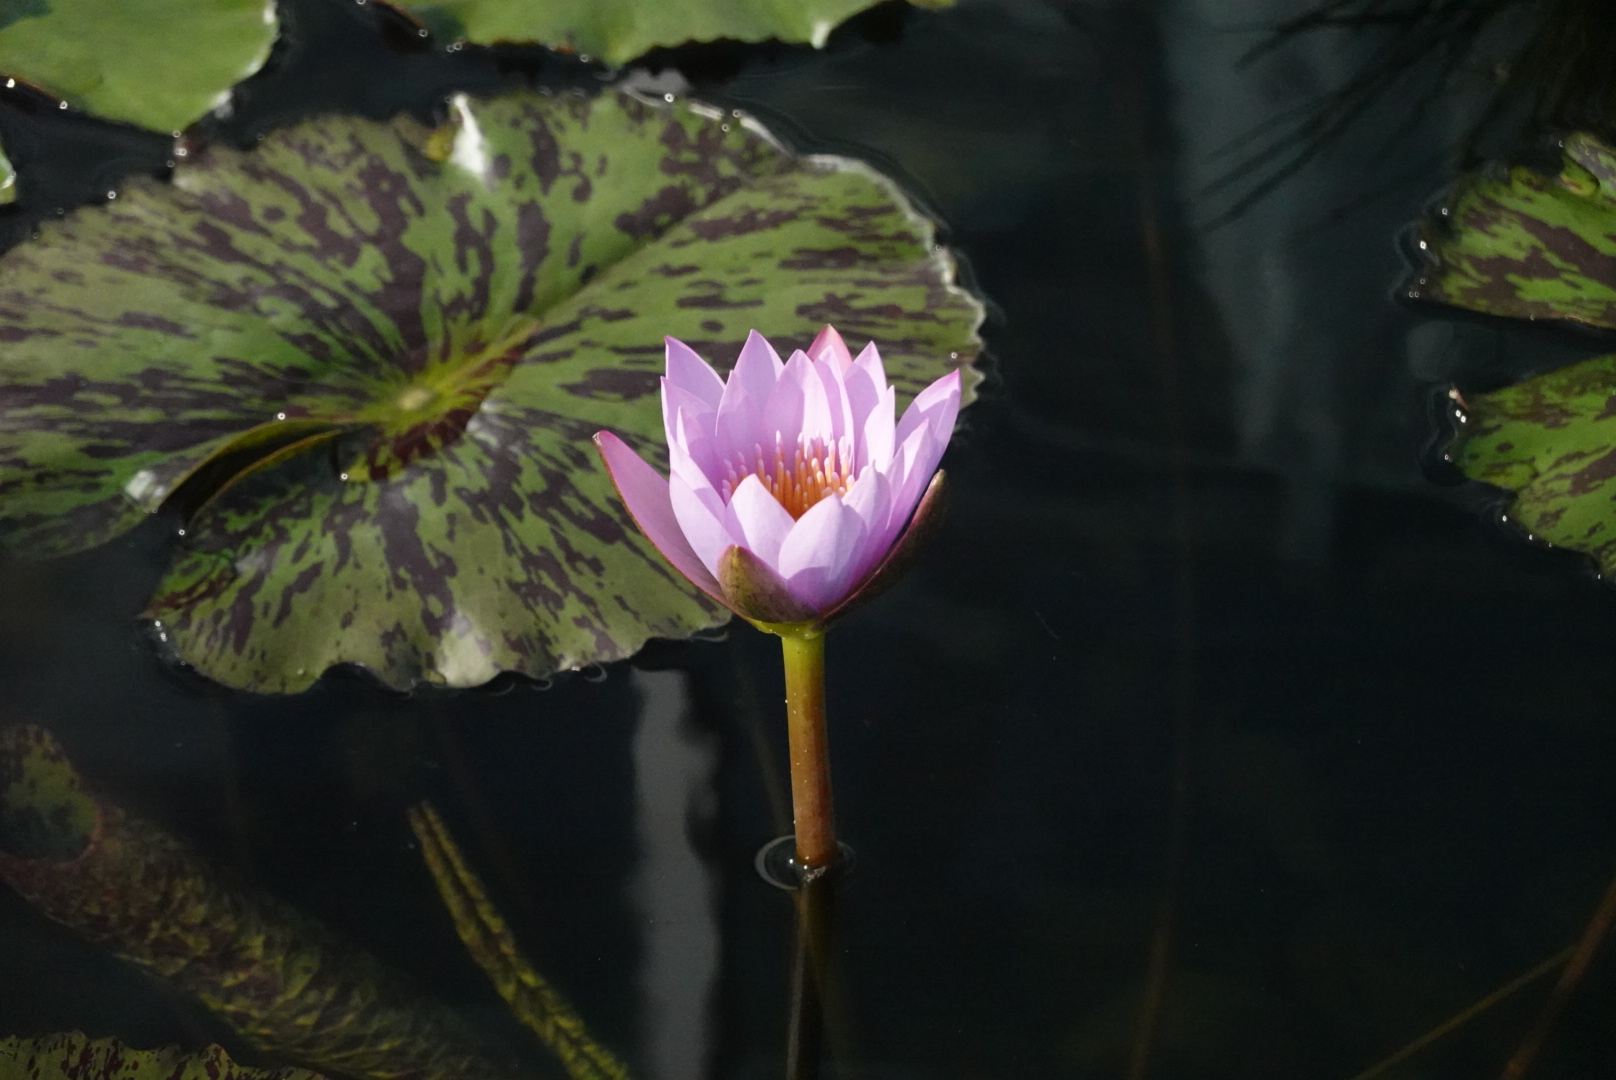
[
  {"x": 280, "y": 416},
  {"x": 668, "y": 98},
  {"x": 182, "y": 532},
  {"x": 421, "y": 32},
  {"x": 342, "y": 476},
  {"x": 61, "y": 104},
  {"x": 723, "y": 127},
  {"x": 112, "y": 195}
]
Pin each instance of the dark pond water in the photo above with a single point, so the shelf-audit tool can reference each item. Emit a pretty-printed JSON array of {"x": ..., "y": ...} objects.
[{"x": 1190, "y": 526}]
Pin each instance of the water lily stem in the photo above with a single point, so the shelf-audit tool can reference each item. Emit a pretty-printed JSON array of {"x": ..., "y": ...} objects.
[{"x": 811, "y": 808}]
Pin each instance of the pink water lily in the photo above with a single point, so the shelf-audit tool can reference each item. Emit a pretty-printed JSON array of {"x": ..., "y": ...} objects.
[{"x": 795, "y": 492}]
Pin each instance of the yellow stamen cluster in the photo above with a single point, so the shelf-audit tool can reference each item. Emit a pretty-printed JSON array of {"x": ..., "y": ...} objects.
[{"x": 812, "y": 470}]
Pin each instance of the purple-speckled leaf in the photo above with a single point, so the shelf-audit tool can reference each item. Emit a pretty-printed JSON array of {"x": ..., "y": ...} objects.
[
  {"x": 420, "y": 346},
  {"x": 1527, "y": 245}
]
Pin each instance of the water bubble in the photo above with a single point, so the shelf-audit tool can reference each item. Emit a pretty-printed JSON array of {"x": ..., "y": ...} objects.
[
  {"x": 668, "y": 98},
  {"x": 182, "y": 532},
  {"x": 421, "y": 32},
  {"x": 723, "y": 127},
  {"x": 61, "y": 104},
  {"x": 11, "y": 84},
  {"x": 280, "y": 416},
  {"x": 342, "y": 476},
  {"x": 112, "y": 195}
]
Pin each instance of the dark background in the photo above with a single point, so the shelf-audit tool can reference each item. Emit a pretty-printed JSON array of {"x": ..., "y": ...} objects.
[{"x": 1394, "y": 715}]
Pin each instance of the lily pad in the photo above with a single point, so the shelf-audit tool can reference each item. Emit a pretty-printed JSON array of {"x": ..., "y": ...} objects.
[
  {"x": 1527, "y": 245},
  {"x": 159, "y": 64},
  {"x": 617, "y": 31},
  {"x": 75, "y": 1056},
  {"x": 432, "y": 344},
  {"x": 1552, "y": 441}
]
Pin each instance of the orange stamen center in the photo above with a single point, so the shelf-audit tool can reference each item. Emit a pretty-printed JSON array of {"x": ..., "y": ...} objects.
[{"x": 797, "y": 478}]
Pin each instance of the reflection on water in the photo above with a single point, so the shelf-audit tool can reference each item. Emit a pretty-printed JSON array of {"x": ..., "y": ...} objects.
[{"x": 1399, "y": 738}]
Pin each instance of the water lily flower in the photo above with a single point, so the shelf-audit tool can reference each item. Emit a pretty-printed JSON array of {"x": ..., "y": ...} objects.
[{"x": 795, "y": 492}]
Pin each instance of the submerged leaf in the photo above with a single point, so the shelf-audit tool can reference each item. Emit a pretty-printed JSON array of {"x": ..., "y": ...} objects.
[
  {"x": 483, "y": 931},
  {"x": 1526, "y": 245},
  {"x": 619, "y": 30},
  {"x": 76, "y": 1056},
  {"x": 8, "y": 180},
  {"x": 1552, "y": 441},
  {"x": 446, "y": 335},
  {"x": 285, "y": 982},
  {"x": 160, "y": 64}
]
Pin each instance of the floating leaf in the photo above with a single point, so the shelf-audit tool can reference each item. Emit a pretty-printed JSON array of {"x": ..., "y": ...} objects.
[
  {"x": 160, "y": 64},
  {"x": 483, "y": 931},
  {"x": 1527, "y": 245},
  {"x": 76, "y": 1056},
  {"x": 286, "y": 983},
  {"x": 447, "y": 336},
  {"x": 619, "y": 30},
  {"x": 1552, "y": 441}
]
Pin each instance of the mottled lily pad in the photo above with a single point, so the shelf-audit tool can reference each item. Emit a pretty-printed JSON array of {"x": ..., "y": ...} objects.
[
  {"x": 1527, "y": 245},
  {"x": 75, "y": 1056},
  {"x": 619, "y": 30},
  {"x": 374, "y": 375},
  {"x": 1552, "y": 441},
  {"x": 160, "y": 64}
]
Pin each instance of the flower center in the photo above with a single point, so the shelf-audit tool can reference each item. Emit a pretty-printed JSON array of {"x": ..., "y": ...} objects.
[{"x": 799, "y": 476}]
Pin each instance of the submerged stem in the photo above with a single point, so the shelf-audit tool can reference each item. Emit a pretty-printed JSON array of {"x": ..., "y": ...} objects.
[{"x": 811, "y": 808}]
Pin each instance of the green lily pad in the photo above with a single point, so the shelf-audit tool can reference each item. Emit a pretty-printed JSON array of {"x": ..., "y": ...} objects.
[
  {"x": 1526, "y": 245},
  {"x": 75, "y": 1056},
  {"x": 374, "y": 375},
  {"x": 159, "y": 64},
  {"x": 617, "y": 31},
  {"x": 1552, "y": 441}
]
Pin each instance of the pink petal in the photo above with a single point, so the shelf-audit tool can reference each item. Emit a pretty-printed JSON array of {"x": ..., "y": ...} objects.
[
  {"x": 816, "y": 558},
  {"x": 690, "y": 373},
  {"x": 784, "y": 412},
  {"x": 836, "y": 400},
  {"x": 757, "y": 521},
  {"x": 937, "y": 406},
  {"x": 875, "y": 445},
  {"x": 646, "y": 495},
  {"x": 674, "y": 400},
  {"x": 829, "y": 344},
  {"x": 700, "y": 514},
  {"x": 738, "y": 428},
  {"x": 756, "y": 370},
  {"x": 871, "y": 499},
  {"x": 913, "y": 465},
  {"x": 869, "y": 362},
  {"x": 693, "y": 457}
]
